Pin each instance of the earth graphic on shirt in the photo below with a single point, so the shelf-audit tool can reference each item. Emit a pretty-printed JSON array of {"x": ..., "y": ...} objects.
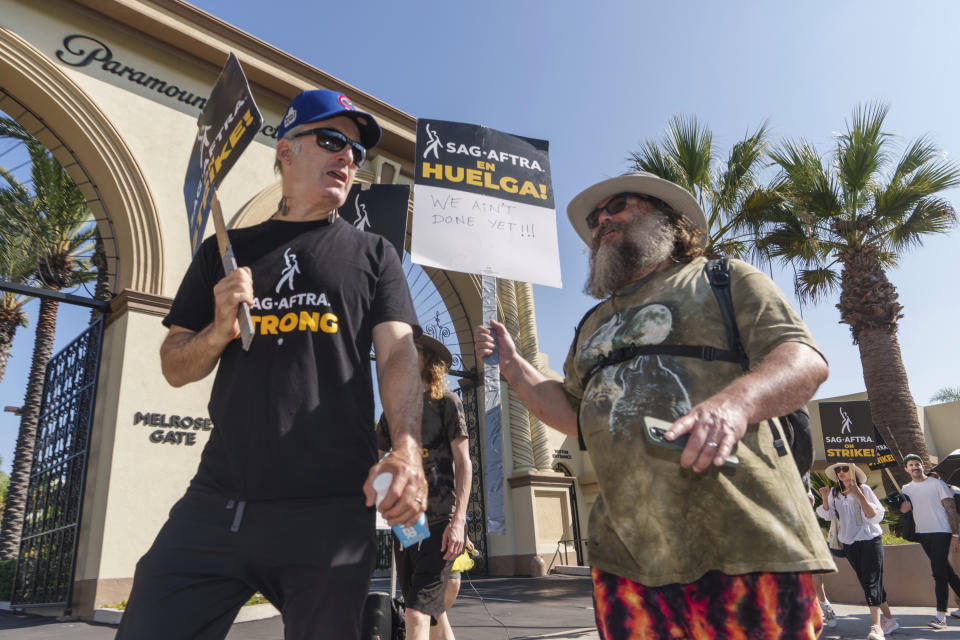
[{"x": 643, "y": 385}]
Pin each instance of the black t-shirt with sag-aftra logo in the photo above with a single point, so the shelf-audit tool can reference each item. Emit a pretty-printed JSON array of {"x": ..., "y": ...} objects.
[{"x": 293, "y": 416}]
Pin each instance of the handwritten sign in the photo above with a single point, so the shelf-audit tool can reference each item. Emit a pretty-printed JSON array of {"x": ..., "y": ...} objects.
[{"x": 483, "y": 203}]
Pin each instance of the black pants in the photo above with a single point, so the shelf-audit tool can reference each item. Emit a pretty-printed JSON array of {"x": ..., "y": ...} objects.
[
  {"x": 866, "y": 558},
  {"x": 423, "y": 573},
  {"x": 937, "y": 548},
  {"x": 311, "y": 558}
]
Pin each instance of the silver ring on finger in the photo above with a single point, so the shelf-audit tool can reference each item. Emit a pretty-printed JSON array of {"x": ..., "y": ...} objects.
[
  {"x": 419, "y": 501},
  {"x": 710, "y": 443}
]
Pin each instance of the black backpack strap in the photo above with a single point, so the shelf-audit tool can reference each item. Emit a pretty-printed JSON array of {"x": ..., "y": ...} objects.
[
  {"x": 617, "y": 356},
  {"x": 718, "y": 272},
  {"x": 576, "y": 339}
]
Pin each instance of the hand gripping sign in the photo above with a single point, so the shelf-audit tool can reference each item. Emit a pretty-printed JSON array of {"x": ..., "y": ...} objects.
[{"x": 229, "y": 122}]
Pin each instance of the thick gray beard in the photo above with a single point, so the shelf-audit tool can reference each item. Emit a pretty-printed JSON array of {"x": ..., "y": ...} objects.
[{"x": 645, "y": 243}]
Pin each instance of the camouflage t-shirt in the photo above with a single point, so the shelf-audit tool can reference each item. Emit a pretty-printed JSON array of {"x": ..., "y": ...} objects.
[
  {"x": 443, "y": 422},
  {"x": 655, "y": 522}
]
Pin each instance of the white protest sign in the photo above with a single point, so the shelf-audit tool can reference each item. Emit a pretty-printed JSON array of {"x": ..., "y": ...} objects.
[{"x": 483, "y": 203}]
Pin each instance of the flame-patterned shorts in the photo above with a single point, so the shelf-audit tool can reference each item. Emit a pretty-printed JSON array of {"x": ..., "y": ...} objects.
[{"x": 753, "y": 606}]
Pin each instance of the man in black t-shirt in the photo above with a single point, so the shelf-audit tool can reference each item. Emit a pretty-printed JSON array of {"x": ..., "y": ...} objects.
[
  {"x": 424, "y": 569},
  {"x": 282, "y": 500}
]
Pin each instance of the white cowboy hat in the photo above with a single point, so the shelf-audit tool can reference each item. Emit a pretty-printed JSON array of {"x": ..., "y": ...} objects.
[
  {"x": 638, "y": 182},
  {"x": 832, "y": 471}
]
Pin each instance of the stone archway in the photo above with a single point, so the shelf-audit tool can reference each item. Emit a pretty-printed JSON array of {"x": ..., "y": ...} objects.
[{"x": 60, "y": 114}]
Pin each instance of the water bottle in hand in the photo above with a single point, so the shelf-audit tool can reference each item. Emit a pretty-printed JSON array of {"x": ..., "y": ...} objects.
[{"x": 406, "y": 535}]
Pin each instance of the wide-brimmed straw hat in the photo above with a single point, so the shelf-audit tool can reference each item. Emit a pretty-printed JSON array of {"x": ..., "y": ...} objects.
[
  {"x": 647, "y": 184},
  {"x": 832, "y": 471},
  {"x": 436, "y": 347}
]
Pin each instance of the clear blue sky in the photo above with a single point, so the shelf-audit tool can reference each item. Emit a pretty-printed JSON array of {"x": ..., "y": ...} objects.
[{"x": 597, "y": 78}]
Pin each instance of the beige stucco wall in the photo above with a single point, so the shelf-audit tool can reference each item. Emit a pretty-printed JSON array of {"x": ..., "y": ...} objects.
[
  {"x": 135, "y": 480},
  {"x": 942, "y": 425},
  {"x": 158, "y": 129}
]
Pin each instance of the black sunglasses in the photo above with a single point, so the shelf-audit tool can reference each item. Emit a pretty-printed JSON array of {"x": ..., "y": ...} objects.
[
  {"x": 843, "y": 468},
  {"x": 333, "y": 140},
  {"x": 614, "y": 205}
]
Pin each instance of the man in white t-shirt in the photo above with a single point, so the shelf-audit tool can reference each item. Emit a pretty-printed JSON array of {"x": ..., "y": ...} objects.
[{"x": 935, "y": 514}]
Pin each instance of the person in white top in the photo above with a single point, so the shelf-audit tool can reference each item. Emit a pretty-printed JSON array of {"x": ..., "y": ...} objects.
[
  {"x": 859, "y": 513},
  {"x": 935, "y": 514}
]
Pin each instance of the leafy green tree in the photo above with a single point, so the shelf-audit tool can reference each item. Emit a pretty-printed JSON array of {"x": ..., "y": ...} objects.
[
  {"x": 947, "y": 394},
  {"x": 730, "y": 194},
  {"x": 53, "y": 218},
  {"x": 841, "y": 222}
]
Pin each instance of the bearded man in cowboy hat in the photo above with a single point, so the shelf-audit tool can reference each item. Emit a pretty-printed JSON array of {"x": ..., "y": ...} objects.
[
  {"x": 424, "y": 569},
  {"x": 682, "y": 536}
]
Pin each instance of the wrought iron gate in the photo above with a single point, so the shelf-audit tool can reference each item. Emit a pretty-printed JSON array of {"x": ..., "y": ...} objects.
[{"x": 51, "y": 523}]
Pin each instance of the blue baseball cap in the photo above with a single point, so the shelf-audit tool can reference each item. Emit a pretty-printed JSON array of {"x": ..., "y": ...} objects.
[{"x": 320, "y": 104}]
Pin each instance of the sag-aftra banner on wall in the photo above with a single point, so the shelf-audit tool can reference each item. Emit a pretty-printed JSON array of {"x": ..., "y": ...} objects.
[{"x": 483, "y": 203}]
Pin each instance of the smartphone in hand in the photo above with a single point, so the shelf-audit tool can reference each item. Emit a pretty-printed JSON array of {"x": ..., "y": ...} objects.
[{"x": 656, "y": 430}]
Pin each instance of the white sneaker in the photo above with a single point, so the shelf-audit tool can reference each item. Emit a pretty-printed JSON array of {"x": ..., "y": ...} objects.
[
  {"x": 889, "y": 625},
  {"x": 938, "y": 623},
  {"x": 955, "y": 613},
  {"x": 876, "y": 633},
  {"x": 829, "y": 617}
]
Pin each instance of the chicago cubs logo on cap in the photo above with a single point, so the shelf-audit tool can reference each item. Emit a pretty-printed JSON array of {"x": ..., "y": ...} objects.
[{"x": 320, "y": 104}]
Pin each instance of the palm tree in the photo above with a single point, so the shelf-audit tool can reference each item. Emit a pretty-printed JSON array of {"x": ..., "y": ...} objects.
[
  {"x": 58, "y": 227},
  {"x": 947, "y": 394},
  {"x": 728, "y": 195},
  {"x": 15, "y": 266},
  {"x": 841, "y": 223}
]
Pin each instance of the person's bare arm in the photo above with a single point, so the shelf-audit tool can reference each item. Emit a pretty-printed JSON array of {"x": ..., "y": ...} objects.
[
  {"x": 401, "y": 394},
  {"x": 950, "y": 506},
  {"x": 453, "y": 535},
  {"x": 541, "y": 395},
  {"x": 187, "y": 356},
  {"x": 783, "y": 382}
]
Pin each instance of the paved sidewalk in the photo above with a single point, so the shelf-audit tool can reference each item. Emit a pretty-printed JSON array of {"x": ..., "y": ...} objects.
[{"x": 554, "y": 608}]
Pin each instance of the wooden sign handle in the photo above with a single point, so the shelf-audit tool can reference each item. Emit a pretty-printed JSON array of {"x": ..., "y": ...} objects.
[{"x": 229, "y": 266}]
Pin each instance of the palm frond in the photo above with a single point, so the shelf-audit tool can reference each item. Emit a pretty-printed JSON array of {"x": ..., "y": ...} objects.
[
  {"x": 861, "y": 151},
  {"x": 805, "y": 181},
  {"x": 816, "y": 285},
  {"x": 690, "y": 145},
  {"x": 917, "y": 154},
  {"x": 652, "y": 159},
  {"x": 741, "y": 170},
  {"x": 930, "y": 215}
]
